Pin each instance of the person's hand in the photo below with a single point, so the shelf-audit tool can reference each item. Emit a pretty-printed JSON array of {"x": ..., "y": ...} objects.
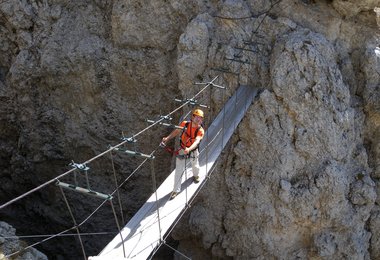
[
  {"x": 186, "y": 151},
  {"x": 163, "y": 141}
]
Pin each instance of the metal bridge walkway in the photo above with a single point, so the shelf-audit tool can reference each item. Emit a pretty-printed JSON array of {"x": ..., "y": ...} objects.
[{"x": 146, "y": 230}]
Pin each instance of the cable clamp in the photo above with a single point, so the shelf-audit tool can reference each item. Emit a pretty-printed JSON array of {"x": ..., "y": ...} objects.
[
  {"x": 79, "y": 166},
  {"x": 167, "y": 117},
  {"x": 129, "y": 139},
  {"x": 192, "y": 102},
  {"x": 164, "y": 124}
]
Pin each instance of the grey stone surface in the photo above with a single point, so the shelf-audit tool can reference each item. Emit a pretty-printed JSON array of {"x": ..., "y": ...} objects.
[
  {"x": 10, "y": 243},
  {"x": 300, "y": 179},
  {"x": 351, "y": 8}
]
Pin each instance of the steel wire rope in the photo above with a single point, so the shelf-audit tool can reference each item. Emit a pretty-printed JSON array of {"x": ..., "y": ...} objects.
[
  {"x": 155, "y": 193},
  {"x": 40, "y": 242},
  {"x": 151, "y": 154},
  {"x": 196, "y": 192},
  {"x": 178, "y": 108},
  {"x": 90, "y": 160},
  {"x": 214, "y": 167},
  {"x": 260, "y": 23},
  {"x": 75, "y": 178},
  {"x": 183, "y": 118},
  {"x": 207, "y": 132},
  {"x": 105, "y": 152},
  {"x": 75, "y": 223},
  {"x": 185, "y": 172},
  {"x": 133, "y": 172},
  {"x": 58, "y": 234},
  {"x": 169, "y": 196},
  {"x": 179, "y": 181},
  {"x": 92, "y": 213},
  {"x": 136, "y": 169},
  {"x": 203, "y": 183},
  {"x": 211, "y": 141},
  {"x": 63, "y": 232},
  {"x": 185, "y": 208},
  {"x": 245, "y": 17},
  {"x": 87, "y": 180},
  {"x": 118, "y": 226},
  {"x": 201, "y": 186},
  {"x": 265, "y": 13},
  {"x": 116, "y": 185},
  {"x": 63, "y": 235},
  {"x": 86, "y": 219},
  {"x": 224, "y": 117},
  {"x": 181, "y": 215},
  {"x": 222, "y": 143},
  {"x": 172, "y": 248},
  {"x": 182, "y": 254}
]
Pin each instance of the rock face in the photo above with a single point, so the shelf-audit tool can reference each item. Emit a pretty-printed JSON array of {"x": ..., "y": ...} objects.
[
  {"x": 9, "y": 243},
  {"x": 299, "y": 179}
]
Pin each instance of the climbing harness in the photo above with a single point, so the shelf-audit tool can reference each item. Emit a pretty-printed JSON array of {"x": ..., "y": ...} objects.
[
  {"x": 169, "y": 149},
  {"x": 186, "y": 140}
]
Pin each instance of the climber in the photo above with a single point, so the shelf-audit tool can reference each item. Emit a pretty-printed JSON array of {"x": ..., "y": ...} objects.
[{"x": 192, "y": 133}]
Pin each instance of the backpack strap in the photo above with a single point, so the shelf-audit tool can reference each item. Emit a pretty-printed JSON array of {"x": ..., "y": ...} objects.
[{"x": 184, "y": 131}]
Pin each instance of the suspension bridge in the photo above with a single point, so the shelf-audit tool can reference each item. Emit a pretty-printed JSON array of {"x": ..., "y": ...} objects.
[{"x": 148, "y": 228}]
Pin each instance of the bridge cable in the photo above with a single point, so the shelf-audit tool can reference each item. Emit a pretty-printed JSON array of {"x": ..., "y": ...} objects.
[
  {"x": 75, "y": 223},
  {"x": 63, "y": 235},
  {"x": 117, "y": 189},
  {"x": 188, "y": 203},
  {"x": 180, "y": 216},
  {"x": 176, "y": 250},
  {"x": 223, "y": 129},
  {"x": 118, "y": 226},
  {"x": 105, "y": 152},
  {"x": 110, "y": 150},
  {"x": 84, "y": 221},
  {"x": 154, "y": 186}
]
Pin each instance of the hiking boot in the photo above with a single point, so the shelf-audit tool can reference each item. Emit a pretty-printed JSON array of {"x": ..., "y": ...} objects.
[
  {"x": 173, "y": 195},
  {"x": 196, "y": 179}
]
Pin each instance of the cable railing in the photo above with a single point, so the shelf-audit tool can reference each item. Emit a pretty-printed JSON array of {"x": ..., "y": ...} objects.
[
  {"x": 84, "y": 167},
  {"x": 161, "y": 121}
]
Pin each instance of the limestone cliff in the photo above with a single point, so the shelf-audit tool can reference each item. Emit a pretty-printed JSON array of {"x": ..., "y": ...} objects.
[
  {"x": 300, "y": 178},
  {"x": 10, "y": 243}
]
